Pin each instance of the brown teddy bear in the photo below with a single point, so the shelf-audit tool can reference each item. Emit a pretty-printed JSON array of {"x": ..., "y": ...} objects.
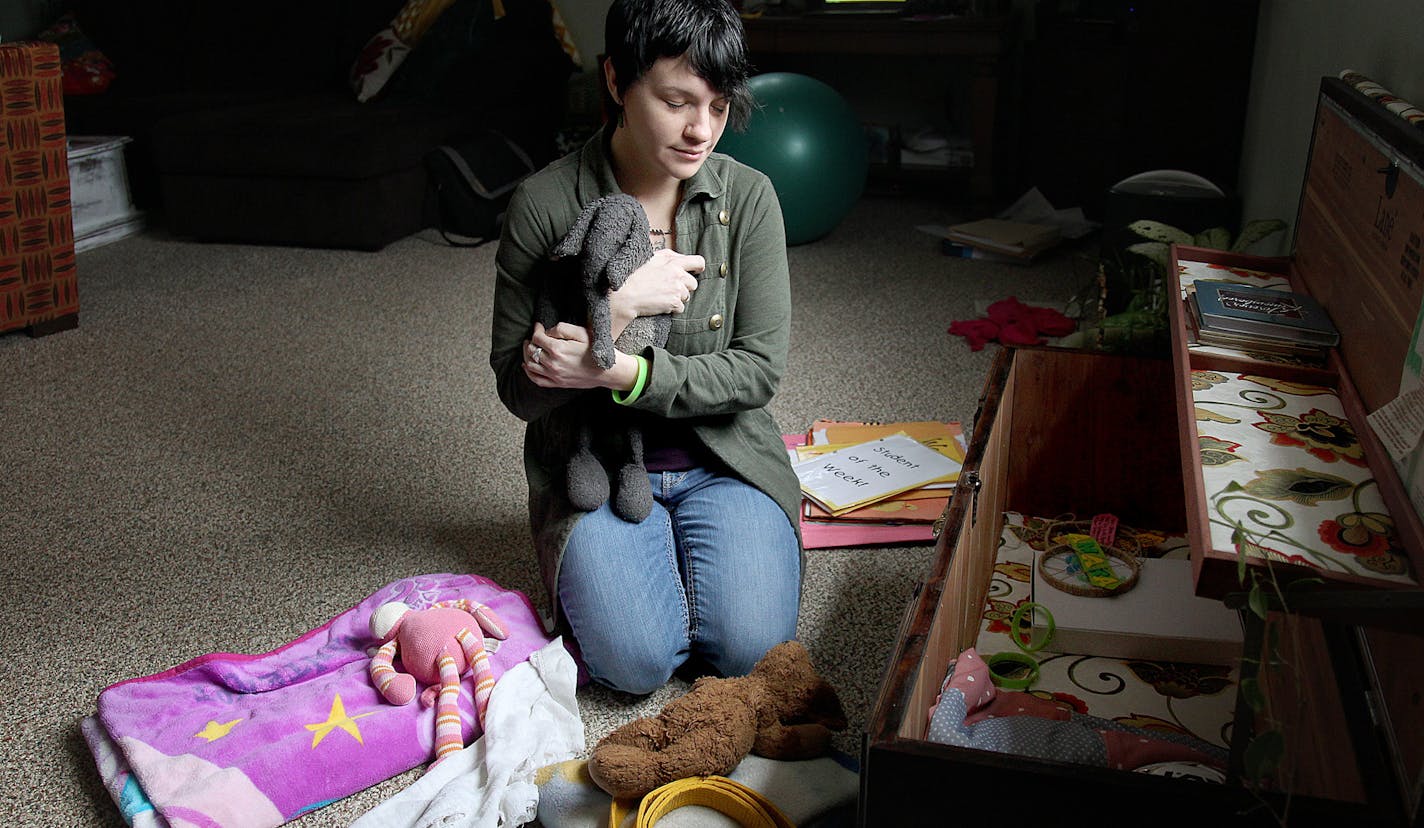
[{"x": 782, "y": 710}]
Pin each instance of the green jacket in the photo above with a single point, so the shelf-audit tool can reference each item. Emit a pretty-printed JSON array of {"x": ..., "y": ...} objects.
[{"x": 725, "y": 354}]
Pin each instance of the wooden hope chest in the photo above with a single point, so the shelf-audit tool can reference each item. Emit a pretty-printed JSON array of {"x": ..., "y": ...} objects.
[{"x": 1330, "y": 731}]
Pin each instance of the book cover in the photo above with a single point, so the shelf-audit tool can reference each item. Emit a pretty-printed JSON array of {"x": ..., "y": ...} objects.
[
  {"x": 1256, "y": 346},
  {"x": 858, "y": 475},
  {"x": 1014, "y": 238},
  {"x": 1284, "y": 314},
  {"x": 892, "y": 510},
  {"x": 828, "y": 534},
  {"x": 944, "y": 436},
  {"x": 968, "y": 251},
  {"x": 819, "y": 535}
]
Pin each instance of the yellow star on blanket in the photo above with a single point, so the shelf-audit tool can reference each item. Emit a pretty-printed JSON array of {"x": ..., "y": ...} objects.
[
  {"x": 214, "y": 731},
  {"x": 336, "y": 718}
]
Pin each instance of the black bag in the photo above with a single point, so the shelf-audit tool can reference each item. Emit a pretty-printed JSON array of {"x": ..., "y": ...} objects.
[{"x": 471, "y": 183}]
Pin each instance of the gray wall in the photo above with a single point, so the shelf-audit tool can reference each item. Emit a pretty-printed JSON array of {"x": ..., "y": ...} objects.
[
  {"x": 584, "y": 19},
  {"x": 1298, "y": 42}
]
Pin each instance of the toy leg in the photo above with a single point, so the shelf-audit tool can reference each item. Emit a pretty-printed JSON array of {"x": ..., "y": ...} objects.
[
  {"x": 489, "y": 621},
  {"x": 587, "y": 480},
  {"x": 600, "y": 321},
  {"x": 478, "y": 659},
  {"x": 448, "y": 738},
  {"x": 634, "y": 501},
  {"x": 396, "y": 688}
]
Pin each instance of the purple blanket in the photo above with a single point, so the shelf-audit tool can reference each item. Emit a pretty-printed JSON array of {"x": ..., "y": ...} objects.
[{"x": 256, "y": 740}]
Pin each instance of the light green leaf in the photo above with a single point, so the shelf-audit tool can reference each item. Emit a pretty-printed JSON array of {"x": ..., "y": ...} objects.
[
  {"x": 1263, "y": 754},
  {"x": 1157, "y": 252},
  {"x": 1216, "y": 238},
  {"x": 1256, "y": 230},
  {"x": 1251, "y": 692},
  {"x": 1157, "y": 231},
  {"x": 1256, "y": 600}
]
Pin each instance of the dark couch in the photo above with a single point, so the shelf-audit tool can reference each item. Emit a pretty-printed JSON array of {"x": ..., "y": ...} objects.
[{"x": 245, "y": 128}]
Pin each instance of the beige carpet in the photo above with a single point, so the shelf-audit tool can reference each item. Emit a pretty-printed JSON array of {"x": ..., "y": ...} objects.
[{"x": 238, "y": 443}]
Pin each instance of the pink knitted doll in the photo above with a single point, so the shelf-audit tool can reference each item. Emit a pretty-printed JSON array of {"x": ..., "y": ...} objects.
[{"x": 436, "y": 646}]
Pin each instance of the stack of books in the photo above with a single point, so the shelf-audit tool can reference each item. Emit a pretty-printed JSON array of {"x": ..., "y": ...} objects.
[
  {"x": 874, "y": 483},
  {"x": 1013, "y": 240},
  {"x": 1263, "y": 320}
]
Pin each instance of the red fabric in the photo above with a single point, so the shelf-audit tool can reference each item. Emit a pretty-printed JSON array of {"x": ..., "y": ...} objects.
[
  {"x": 1018, "y": 703},
  {"x": 1013, "y": 323},
  {"x": 87, "y": 70},
  {"x": 977, "y": 331}
]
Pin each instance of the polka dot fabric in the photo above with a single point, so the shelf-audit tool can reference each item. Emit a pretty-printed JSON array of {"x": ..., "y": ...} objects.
[{"x": 972, "y": 713}]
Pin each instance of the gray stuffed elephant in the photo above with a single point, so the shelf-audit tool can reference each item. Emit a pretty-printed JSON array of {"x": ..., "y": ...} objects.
[{"x": 609, "y": 240}]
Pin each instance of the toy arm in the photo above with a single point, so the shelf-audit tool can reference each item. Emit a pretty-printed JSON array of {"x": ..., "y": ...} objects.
[
  {"x": 489, "y": 621},
  {"x": 396, "y": 688},
  {"x": 572, "y": 243},
  {"x": 791, "y": 742},
  {"x": 478, "y": 659},
  {"x": 633, "y": 248}
]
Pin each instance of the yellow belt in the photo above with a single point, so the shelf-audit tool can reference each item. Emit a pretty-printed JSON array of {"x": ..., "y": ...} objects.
[{"x": 749, "y": 808}]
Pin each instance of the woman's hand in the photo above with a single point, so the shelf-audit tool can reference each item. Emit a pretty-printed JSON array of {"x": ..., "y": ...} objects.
[
  {"x": 562, "y": 357},
  {"x": 663, "y": 284}
]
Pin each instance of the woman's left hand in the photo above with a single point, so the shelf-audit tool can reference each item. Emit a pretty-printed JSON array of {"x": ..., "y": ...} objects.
[{"x": 561, "y": 357}]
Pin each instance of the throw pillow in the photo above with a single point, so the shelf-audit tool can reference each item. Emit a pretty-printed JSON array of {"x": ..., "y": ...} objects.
[
  {"x": 384, "y": 53},
  {"x": 84, "y": 68}
]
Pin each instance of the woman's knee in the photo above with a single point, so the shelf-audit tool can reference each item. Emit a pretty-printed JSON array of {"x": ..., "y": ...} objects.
[
  {"x": 735, "y": 633},
  {"x": 632, "y": 662},
  {"x": 738, "y": 655}
]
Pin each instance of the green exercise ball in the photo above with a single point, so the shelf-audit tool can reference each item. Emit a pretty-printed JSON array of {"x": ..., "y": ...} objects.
[{"x": 810, "y": 143}]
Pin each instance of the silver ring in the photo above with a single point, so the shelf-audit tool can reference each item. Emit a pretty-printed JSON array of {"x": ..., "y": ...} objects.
[{"x": 538, "y": 352}]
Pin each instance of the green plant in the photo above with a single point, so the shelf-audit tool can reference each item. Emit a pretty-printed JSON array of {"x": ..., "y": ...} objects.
[
  {"x": 1264, "y": 760},
  {"x": 1135, "y": 280},
  {"x": 1160, "y": 236}
]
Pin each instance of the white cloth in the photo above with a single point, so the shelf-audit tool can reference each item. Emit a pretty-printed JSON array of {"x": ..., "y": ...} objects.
[{"x": 532, "y": 721}]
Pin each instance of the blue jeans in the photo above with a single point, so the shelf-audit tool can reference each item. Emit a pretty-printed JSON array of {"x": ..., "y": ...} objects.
[{"x": 714, "y": 570}]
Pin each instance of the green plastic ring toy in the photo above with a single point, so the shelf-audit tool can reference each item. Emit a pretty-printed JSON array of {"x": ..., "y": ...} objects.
[
  {"x": 1007, "y": 657},
  {"x": 1017, "y": 619}
]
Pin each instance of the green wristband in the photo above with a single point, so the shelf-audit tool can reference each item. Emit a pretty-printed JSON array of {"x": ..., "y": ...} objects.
[
  {"x": 1022, "y": 660},
  {"x": 1017, "y": 619},
  {"x": 638, "y": 384},
  {"x": 998, "y": 662}
]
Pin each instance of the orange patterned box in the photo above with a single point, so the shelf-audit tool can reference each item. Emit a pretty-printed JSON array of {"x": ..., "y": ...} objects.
[{"x": 38, "y": 285}]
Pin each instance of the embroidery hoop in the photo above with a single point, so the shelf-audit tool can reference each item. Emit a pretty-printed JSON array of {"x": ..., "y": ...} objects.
[{"x": 1125, "y": 548}]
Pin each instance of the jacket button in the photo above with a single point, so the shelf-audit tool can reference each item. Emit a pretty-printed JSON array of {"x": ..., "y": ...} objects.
[
  {"x": 722, "y": 271},
  {"x": 715, "y": 322},
  {"x": 724, "y": 217}
]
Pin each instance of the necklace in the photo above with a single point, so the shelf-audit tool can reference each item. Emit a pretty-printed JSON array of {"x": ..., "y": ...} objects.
[{"x": 656, "y": 232}]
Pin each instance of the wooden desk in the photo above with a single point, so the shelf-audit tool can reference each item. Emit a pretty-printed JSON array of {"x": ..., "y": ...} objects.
[{"x": 982, "y": 42}]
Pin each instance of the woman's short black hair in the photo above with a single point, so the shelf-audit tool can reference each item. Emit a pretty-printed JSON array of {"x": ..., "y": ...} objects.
[{"x": 638, "y": 32}]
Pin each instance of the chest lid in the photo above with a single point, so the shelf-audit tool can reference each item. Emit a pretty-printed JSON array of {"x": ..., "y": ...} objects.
[{"x": 1359, "y": 234}]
